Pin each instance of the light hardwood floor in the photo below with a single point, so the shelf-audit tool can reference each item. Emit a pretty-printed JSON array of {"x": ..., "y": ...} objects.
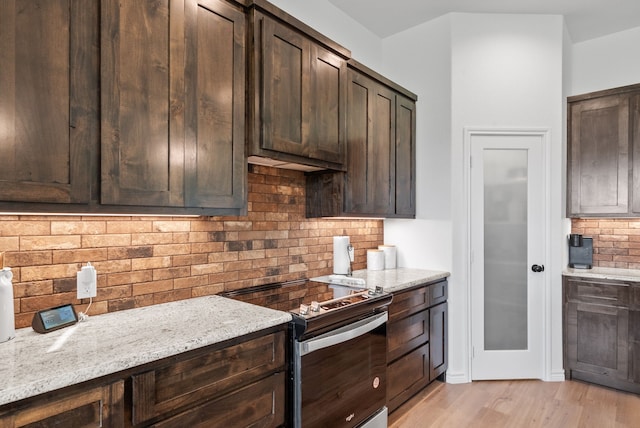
[{"x": 520, "y": 403}]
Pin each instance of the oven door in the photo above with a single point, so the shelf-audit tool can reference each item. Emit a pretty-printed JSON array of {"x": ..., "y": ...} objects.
[{"x": 340, "y": 377}]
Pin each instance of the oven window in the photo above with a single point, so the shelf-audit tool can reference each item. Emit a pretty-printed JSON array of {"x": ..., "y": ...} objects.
[{"x": 344, "y": 384}]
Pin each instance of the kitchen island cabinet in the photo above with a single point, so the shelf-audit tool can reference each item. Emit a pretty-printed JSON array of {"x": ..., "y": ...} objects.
[
  {"x": 204, "y": 359},
  {"x": 90, "y": 406},
  {"x": 380, "y": 176},
  {"x": 416, "y": 338},
  {"x": 600, "y": 331},
  {"x": 298, "y": 85}
]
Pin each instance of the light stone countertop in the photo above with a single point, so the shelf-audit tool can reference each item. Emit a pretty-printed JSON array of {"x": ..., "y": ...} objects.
[
  {"x": 618, "y": 274},
  {"x": 32, "y": 363},
  {"x": 393, "y": 280}
]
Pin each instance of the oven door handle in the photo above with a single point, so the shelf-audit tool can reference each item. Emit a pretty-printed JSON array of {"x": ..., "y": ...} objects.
[{"x": 343, "y": 334}]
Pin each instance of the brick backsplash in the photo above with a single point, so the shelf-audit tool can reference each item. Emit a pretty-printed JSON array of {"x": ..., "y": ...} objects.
[
  {"x": 143, "y": 261},
  {"x": 616, "y": 242}
]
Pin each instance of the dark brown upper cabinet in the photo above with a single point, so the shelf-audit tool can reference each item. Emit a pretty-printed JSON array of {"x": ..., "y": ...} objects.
[
  {"x": 173, "y": 76},
  {"x": 603, "y": 143},
  {"x": 380, "y": 176},
  {"x": 299, "y": 90},
  {"x": 48, "y": 101}
]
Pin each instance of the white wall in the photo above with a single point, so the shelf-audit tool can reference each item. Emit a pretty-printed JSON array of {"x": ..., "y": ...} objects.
[
  {"x": 420, "y": 60},
  {"x": 506, "y": 73},
  {"x": 606, "y": 62}
]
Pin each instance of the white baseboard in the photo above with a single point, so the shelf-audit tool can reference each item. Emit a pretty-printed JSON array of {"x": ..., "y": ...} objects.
[
  {"x": 453, "y": 377},
  {"x": 557, "y": 376}
]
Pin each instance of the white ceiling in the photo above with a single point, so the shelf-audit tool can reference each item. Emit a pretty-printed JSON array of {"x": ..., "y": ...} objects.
[{"x": 585, "y": 19}]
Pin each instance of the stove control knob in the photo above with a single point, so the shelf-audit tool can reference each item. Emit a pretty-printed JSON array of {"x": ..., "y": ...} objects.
[
  {"x": 304, "y": 309},
  {"x": 315, "y": 306}
]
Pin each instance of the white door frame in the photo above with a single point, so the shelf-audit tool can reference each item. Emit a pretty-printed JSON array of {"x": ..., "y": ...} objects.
[{"x": 469, "y": 132}]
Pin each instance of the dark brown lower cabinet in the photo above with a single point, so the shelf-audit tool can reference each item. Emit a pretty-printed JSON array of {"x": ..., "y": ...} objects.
[
  {"x": 416, "y": 340},
  {"x": 258, "y": 404},
  {"x": 600, "y": 332},
  {"x": 239, "y": 383},
  {"x": 94, "y": 406},
  {"x": 437, "y": 338}
]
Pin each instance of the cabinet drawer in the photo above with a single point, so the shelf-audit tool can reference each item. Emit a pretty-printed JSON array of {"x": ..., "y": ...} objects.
[
  {"x": 598, "y": 292},
  {"x": 205, "y": 376},
  {"x": 407, "y": 376},
  {"x": 259, "y": 404},
  {"x": 406, "y": 334},
  {"x": 100, "y": 406},
  {"x": 438, "y": 292},
  {"x": 409, "y": 302}
]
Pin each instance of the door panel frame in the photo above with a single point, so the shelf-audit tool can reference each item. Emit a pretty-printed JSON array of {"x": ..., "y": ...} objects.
[{"x": 544, "y": 135}]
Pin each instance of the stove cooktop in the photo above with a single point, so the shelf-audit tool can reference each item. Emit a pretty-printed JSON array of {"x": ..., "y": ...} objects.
[{"x": 315, "y": 305}]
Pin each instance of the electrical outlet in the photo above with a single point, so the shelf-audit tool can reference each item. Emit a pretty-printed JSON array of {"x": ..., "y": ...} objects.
[{"x": 87, "y": 282}]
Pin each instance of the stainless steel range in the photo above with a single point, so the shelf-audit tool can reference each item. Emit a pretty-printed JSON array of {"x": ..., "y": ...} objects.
[
  {"x": 340, "y": 362},
  {"x": 339, "y": 351}
]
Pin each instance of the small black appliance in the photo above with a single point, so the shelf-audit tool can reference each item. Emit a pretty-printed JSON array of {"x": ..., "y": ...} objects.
[{"x": 580, "y": 251}]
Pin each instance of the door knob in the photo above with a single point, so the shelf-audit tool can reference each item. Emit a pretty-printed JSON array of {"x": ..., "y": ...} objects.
[{"x": 537, "y": 268}]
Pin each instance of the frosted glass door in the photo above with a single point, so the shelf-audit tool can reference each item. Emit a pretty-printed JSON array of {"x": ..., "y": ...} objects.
[
  {"x": 505, "y": 249},
  {"x": 507, "y": 236}
]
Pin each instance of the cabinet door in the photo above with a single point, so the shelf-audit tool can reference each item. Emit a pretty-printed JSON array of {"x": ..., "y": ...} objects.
[
  {"x": 48, "y": 100},
  {"x": 598, "y": 339},
  {"x": 142, "y": 76},
  {"x": 438, "y": 353},
  {"x": 599, "y": 156},
  {"x": 634, "y": 334},
  {"x": 405, "y": 166},
  {"x": 215, "y": 79},
  {"x": 328, "y": 105},
  {"x": 101, "y": 406},
  {"x": 370, "y": 180},
  {"x": 634, "y": 117},
  {"x": 285, "y": 104}
]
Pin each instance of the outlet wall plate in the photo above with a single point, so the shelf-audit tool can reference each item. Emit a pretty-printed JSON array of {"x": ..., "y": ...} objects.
[{"x": 87, "y": 282}]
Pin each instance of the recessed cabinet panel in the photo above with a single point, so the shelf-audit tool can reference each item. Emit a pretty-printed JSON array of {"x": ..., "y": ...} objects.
[
  {"x": 634, "y": 123},
  {"x": 356, "y": 194},
  {"x": 438, "y": 327},
  {"x": 215, "y": 165},
  {"x": 285, "y": 66},
  {"x": 382, "y": 153},
  {"x": 48, "y": 100},
  {"x": 405, "y": 157},
  {"x": 299, "y": 89},
  {"x": 369, "y": 181},
  {"x": 98, "y": 406},
  {"x": 328, "y": 79},
  {"x": 142, "y": 102},
  {"x": 173, "y": 104},
  {"x": 603, "y": 171}
]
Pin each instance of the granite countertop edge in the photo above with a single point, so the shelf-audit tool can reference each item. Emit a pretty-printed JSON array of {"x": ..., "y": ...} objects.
[
  {"x": 34, "y": 363},
  {"x": 393, "y": 280},
  {"x": 617, "y": 274}
]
